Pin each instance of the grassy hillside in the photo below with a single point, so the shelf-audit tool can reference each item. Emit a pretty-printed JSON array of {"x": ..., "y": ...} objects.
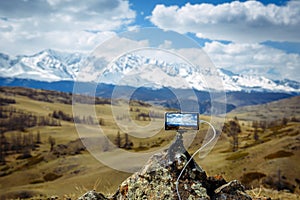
[
  {"x": 276, "y": 110},
  {"x": 267, "y": 156}
]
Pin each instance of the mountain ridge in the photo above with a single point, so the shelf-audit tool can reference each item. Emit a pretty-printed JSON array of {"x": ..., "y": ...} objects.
[
  {"x": 164, "y": 96},
  {"x": 50, "y": 66}
]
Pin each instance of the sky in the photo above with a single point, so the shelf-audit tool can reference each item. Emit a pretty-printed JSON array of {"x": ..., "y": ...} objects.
[
  {"x": 253, "y": 37},
  {"x": 185, "y": 119}
]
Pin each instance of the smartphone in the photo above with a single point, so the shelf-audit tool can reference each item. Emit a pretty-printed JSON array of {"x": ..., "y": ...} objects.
[{"x": 181, "y": 121}]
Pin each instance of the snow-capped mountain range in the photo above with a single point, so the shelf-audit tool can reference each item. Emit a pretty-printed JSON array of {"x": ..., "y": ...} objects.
[
  {"x": 48, "y": 65},
  {"x": 51, "y": 66}
]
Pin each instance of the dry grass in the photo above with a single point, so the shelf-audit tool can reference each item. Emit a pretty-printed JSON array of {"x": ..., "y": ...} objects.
[
  {"x": 79, "y": 173},
  {"x": 262, "y": 192}
]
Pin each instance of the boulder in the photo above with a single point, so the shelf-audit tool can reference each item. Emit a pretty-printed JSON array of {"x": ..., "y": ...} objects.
[
  {"x": 157, "y": 180},
  {"x": 92, "y": 195}
]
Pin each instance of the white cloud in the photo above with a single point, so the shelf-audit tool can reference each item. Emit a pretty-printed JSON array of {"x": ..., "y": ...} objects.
[
  {"x": 166, "y": 45},
  {"x": 243, "y": 58},
  {"x": 28, "y": 26},
  {"x": 249, "y": 21},
  {"x": 254, "y": 59},
  {"x": 74, "y": 41},
  {"x": 117, "y": 47}
]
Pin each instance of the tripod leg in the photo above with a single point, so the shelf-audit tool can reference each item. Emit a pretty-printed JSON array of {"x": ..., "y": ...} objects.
[{"x": 176, "y": 148}]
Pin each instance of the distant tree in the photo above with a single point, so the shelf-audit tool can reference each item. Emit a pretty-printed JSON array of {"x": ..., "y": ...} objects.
[
  {"x": 3, "y": 152},
  {"x": 126, "y": 139},
  {"x": 52, "y": 142},
  {"x": 13, "y": 141},
  {"x": 25, "y": 141},
  {"x": 26, "y": 153},
  {"x": 62, "y": 116},
  {"x": 256, "y": 136},
  {"x": 101, "y": 122},
  {"x": 284, "y": 121},
  {"x": 279, "y": 183},
  {"x": 128, "y": 144},
  {"x": 255, "y": 125},
  {"x": 31, "y": 140},
  {"x": 18, "y": 142},
  {"x": 143, "y": 117},
  {"x": 2, "y": 157},
  {"x": 294, "y": 119},
  {"x": 38, "y": 138},
  {"x": 233, "y": 128},
  {"x": 118, "y": 140},
  {"x": 263, "y": 125}
]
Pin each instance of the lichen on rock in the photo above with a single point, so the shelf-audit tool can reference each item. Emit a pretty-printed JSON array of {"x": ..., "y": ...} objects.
[
  {"x": 92, "y": 195},
  {"x": 154, "y": 181},
  {"x": 157, "y": 180}
]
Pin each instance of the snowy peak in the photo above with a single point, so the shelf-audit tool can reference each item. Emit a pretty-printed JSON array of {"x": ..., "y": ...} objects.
[
  {"x": 138, "y": 71},
  {"x": 133, "y": 70},
  {"x": 236, "y": 82},
  {"x": 48, "y": 65},
  {"x": 164, "y": 74}
]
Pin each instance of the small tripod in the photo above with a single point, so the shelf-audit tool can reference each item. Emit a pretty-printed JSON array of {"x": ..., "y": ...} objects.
[{"x": 177, "y": 146}]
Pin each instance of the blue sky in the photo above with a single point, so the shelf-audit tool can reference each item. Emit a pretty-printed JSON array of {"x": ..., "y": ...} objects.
[
  {"x": 144, "y": 8},
  {"x": 254, "y": 37}
]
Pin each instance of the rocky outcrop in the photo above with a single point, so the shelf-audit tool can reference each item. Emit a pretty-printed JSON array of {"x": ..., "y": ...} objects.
[
  {"x": 157, "y": 180},
  {"x": 93, "y": 195}
]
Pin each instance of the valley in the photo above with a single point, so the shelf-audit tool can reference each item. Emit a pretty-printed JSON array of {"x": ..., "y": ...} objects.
[{"x": 42, "y": 154}]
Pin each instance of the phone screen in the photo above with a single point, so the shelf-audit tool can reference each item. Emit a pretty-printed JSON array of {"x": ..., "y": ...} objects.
[{"x": 181, "y": 121}]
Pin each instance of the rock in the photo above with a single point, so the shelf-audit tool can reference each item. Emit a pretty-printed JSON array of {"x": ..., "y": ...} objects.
[
  {"x": 157, "y": 180},
  {"x": 93, "y": 195},
  {"x": 231, "y": 191}
]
